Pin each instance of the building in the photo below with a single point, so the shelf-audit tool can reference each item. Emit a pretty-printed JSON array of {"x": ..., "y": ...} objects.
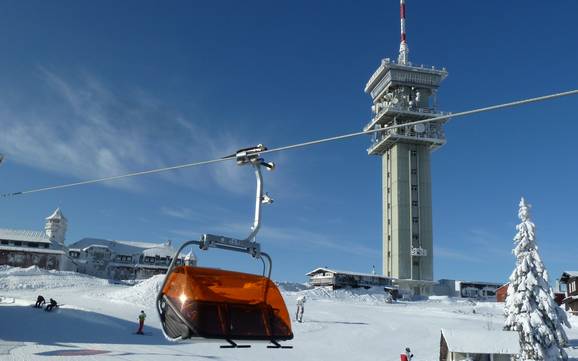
[
  {"x": 467, "y": 289},
  {"x": 401, "y": 93},
  {"x": 122, "y": 259},
  {"x": 45, "y": 249},
  {"x": 325, "y": 277},
  {"x": 502, "y": 294},
  {"x": 480, "y": 345},
  {"x": 569, "y": 281}
]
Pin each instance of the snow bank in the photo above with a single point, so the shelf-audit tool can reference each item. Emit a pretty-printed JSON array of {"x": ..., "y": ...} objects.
[
  {"x": 143, "y": 293},
  {"x": 292, "y": 286},
  {"x": 370, "y": 296},
  {"x": 13, "y": 278}
]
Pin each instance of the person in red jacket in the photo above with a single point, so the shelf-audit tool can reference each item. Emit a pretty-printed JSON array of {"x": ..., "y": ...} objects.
[{"x": 407, "y": 355}]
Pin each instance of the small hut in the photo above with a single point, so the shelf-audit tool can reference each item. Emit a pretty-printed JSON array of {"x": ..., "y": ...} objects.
[{"x": 482, "y": 345}]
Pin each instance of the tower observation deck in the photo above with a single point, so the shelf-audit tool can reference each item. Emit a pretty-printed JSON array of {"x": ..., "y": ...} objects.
[{"x": 403, "y": 93}]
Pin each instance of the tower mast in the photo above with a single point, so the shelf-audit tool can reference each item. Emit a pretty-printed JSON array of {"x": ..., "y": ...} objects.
[{"x": 403, "y": 57}]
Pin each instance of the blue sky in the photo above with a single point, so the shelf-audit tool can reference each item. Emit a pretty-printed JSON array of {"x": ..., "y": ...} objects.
[{"x": 97, "y": 89}]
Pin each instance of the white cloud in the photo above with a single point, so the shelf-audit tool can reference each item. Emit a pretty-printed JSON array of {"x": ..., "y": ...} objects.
[{"x": 79, "y": 127}]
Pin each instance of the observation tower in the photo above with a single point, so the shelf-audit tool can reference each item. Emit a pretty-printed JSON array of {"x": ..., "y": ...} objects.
[{"x": 403, "y": 92}]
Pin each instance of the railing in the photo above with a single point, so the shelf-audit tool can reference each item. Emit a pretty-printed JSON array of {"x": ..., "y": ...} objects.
[
  {"x": 432, "y": 131},
  {"x": 404, "y": 109}
]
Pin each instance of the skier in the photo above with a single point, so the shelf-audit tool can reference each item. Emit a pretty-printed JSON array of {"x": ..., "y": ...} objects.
[
  {"x": 300, "y": 308},
  {"x": 141, "y": 319},
  {"x": 51, "y": 306},
  {"x": 40, "y": 301},
  {"x": 407, "y": 355}
]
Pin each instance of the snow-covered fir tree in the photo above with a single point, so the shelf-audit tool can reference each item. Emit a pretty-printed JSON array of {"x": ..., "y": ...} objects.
[{"x": 530, "y": 308}]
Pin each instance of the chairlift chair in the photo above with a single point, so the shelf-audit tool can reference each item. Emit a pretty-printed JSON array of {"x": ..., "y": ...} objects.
[{"x": 199, "y": 303}]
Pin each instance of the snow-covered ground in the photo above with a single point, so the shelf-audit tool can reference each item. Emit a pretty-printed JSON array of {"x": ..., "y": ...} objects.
[{"x": 97, "y": 321}]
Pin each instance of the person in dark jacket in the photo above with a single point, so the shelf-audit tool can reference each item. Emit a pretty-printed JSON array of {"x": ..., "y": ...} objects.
[
  {"x": 52, "y": 305},
  {"x": 40, "y": 301},
  {"x": 141, "y": 320}
]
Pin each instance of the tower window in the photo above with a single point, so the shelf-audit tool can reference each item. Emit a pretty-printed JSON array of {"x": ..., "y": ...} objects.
[
  {"x": 415, "y": 237},
  {"x": 414, "y": 203},
  {"x": 414, "y": 171},
  {"x": 415, "y": 219},
  {"x": 413, "y": 153},
  {"x": 414, "y": 187}
]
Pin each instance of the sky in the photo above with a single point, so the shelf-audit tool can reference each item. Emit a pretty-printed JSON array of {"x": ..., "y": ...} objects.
[{"x": 95, "y": 89}]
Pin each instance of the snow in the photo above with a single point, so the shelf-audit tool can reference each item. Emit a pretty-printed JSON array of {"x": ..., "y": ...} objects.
[
  {"x": 23, "y": 235},
  {"x": 97, "y": 319},
  {"x": 482, "y": 341}
]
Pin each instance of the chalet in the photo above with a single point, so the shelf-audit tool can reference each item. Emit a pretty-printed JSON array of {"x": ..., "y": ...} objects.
[
  {"x": 121, "y": 259},
  {"x": 482, "y": 345},
  {"x": 325, "y": 277},
  {"x": 466, "y": 289},
  {"x": 45, "y": 249},
  {"x": 569, "y": 280}
]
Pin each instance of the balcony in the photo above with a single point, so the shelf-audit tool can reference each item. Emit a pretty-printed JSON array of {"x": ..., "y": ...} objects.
[
  {"x": 433, "y": 135},
  {"x": 409, "y": 114}
]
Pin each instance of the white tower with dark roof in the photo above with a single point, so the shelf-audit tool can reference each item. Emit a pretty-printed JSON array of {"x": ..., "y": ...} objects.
[
  {"x": 55, "y": 227},
  {"x": 402, "y": 93}
]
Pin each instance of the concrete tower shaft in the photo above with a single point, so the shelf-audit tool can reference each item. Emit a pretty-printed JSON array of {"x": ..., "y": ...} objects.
[{"x": 403, "y": 93}]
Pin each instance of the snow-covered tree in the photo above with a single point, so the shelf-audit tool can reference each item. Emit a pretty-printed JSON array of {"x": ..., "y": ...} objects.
[{"x": 530, "y": 308}]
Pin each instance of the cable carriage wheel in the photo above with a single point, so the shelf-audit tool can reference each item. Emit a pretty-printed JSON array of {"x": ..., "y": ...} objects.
[{"x": 208, "y": 303}]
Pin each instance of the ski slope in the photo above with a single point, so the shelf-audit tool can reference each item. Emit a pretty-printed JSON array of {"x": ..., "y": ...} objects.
[{"x": 97, "y": 321}]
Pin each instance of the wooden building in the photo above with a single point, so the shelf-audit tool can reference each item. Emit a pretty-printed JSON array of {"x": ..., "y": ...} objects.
[
  {"x": 502, "y": 293},
  {"x": 325, "y": 277},
  {"x": 570, "y": 280},
  {"x": 479, "y": 345}
]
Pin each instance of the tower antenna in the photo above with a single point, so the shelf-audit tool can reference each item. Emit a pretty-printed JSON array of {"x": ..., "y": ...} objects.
[{"x": 403, "y": 57}]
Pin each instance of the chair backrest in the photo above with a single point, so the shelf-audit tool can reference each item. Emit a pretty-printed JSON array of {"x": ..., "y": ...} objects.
[{"x": 228, "y": 305}]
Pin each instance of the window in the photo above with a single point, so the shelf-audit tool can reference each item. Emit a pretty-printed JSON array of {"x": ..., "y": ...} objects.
[
  {"x": 4, "y": 241},
  {"x": 413, "y": 153},
  {"x": 414, "y": 171},
  {"x": 414, "y": 203},
  {"x": 415, "y": 237},
  {"x": 46, "y": 245},
  {"x": 17, "y": 243},
  {"x": 414, "y": 187},
  {"x": 415, "y": 219},
  {"x": 33, "y": 244}
]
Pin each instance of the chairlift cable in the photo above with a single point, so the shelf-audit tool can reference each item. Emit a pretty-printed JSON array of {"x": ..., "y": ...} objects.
[{"x": 299, "y": 145}]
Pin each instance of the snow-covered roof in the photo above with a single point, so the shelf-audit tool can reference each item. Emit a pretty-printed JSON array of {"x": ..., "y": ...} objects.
[
  {"x": 568, "y": 274},
  {"x": 23, "y": 235},
  {"x": 482, "y": 341},
  {"x": 122, "y": 247},
  {"x": 570, "y": 298},
  {"x": 323, "y": 269},
  {"x": 57, "y": 214},
  {"x": 30, "y": 249},
  {"x": 159, "y": 251}
]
